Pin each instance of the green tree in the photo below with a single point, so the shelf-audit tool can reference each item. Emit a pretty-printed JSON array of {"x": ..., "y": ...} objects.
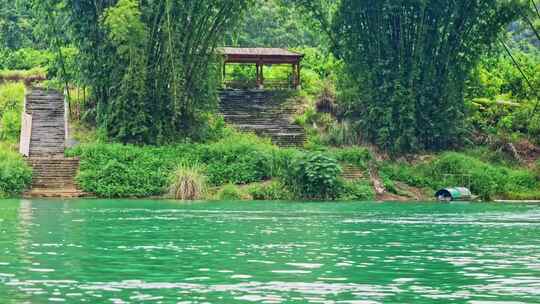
[
  {"x": 275, "y": 23},
  {"x": 16, "y": 24}
]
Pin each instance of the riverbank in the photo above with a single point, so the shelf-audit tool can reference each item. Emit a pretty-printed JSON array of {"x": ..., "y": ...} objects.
[{"x": 245, "y": 167}]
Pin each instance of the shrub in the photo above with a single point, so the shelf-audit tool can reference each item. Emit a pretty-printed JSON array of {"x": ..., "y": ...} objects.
[
  {"x": 452, "y": 169},
  {"x": 357, "y": 156},
  {"x": 11, "y": 126},
  {"x": 275, "y": 190},
  {"x": 238, "y": 159},
  {"x": 114, "y": 170},
  {"x": 361, "y": 190},
  {"x": 341, "y": 134},
  {"x": 411, "y": 175},
  {"x": 24, "y": 59},
  {"x": 11, "y": 105},
  {"x": 526, "y": 195},
  {"x": 188, "y": 183},
  {"x": 230, "y": 192},
  {"x": 314, "y": 176},
  {"x": 15, "y": 174}
]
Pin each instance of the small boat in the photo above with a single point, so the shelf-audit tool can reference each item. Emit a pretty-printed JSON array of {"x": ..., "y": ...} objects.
[{"x": 454, "y": 194}]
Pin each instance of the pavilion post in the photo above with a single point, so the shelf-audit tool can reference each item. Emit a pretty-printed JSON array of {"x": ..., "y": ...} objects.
[
  {"x": 257, "y": 67},
  {"x": 262, "y": 76},
  {"x": 295, "y": 76},
  {"x": 298, "y": 76},
  {"x": 224, "y": 73}
]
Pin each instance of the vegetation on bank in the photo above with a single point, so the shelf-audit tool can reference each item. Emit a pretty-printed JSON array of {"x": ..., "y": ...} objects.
[
  {"x": 252, "y": 166},
  {"x": 15, "y": 174},
  {"x": 243, "y": 166},
  {"x": 485, "y": 179},
  {"x": 143, "y": 77}
]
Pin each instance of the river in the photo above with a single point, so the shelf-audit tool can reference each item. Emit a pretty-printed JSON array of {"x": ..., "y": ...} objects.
[{"x": 142, "y": 251}]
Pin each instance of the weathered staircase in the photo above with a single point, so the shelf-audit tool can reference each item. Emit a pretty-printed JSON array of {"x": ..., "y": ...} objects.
[
  {"x": 264, "y": 113},
  {"x": 352, "y": 172},
  {"x": 43, "y": 139}
]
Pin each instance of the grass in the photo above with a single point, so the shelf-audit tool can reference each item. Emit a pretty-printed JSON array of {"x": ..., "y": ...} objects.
[
  {"x": 188, "y": 183},
  {"x": 11, "y": 105},
  {"x": 231, "y": 192},
  {"x": 22, "y": 75},
  {"x": 15, "y": 174}
]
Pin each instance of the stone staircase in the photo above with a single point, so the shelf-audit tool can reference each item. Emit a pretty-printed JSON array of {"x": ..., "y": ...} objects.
[
  {"x": 266, "y": 113},
  {"x": 53, "y": 174},
  {"x": 352, "y": 172},
  {"x": 54, "y": 177},
  {"x": 48, "y": 128}
]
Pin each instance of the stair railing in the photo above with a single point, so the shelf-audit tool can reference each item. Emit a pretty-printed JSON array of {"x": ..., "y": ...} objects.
[
  {"x": 66, "y": 117},
  {"x": 26, "y": 131}
]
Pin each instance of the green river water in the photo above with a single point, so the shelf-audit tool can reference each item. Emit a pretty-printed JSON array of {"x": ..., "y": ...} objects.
[{"x": 122, "y": 251}]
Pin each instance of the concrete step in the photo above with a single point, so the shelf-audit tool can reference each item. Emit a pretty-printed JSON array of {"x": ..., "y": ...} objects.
[
  {"x": 55, "y": 193},
  {"x": 54, "y": 177},
  {"x": 352, "y": 172}
]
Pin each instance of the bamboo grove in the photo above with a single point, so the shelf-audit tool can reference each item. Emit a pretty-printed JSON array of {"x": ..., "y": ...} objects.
[
  {"x": 151, "y": 65},
  {"x": 409, "y": 61}
]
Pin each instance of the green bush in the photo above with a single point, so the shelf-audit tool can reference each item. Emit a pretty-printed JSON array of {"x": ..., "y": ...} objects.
[
  {"x": 314, "y": 176},
  {"x": 357, "y": 156},
  {"x": 11, "y": 105},
  {"x": 361, "y": 190},
  {"x": 230, "y": 192},
  {"x": 11, "y": 126},
  {"x": 340, "y": 134},
  {"x": 15, "y": 174},
  {"x": 274, "y": 191},
  {"x": 527, "y": 195},
  {"x": 454, "y": 169},
  {"x": 240, "y": 159},
  {"x": 114, "y": 170},
  {"x": 25, "y": 59},
  {"x": 412, "y": 175}
]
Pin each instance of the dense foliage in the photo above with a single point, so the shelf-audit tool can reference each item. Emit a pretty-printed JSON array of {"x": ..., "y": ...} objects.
[
  {"x": 151, "y": 65},
  {"x": 276, "y": 24},
  {"x": 404, "y": 75},
  {"x": 16, "y": 25},
  {"x": 272, "y": 191},
  {"x": 409, "y": 61},
  {"x": 457, "y": 169},
  {"x": 314, "y": 176},
  {"x": 114, "y": 170},
  {"x": 11, "y": 104},
  {"x": 503, "y": 95},
  {"x": 15, "y": 174}
]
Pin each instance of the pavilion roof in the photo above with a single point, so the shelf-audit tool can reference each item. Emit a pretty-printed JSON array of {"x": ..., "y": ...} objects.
[
  {"x": 258, "y": 51},
  {"x": 261, "y": 55}
]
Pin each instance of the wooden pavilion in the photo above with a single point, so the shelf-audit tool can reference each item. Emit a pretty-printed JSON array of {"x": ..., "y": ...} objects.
[{"x": 261, "y": 57}]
